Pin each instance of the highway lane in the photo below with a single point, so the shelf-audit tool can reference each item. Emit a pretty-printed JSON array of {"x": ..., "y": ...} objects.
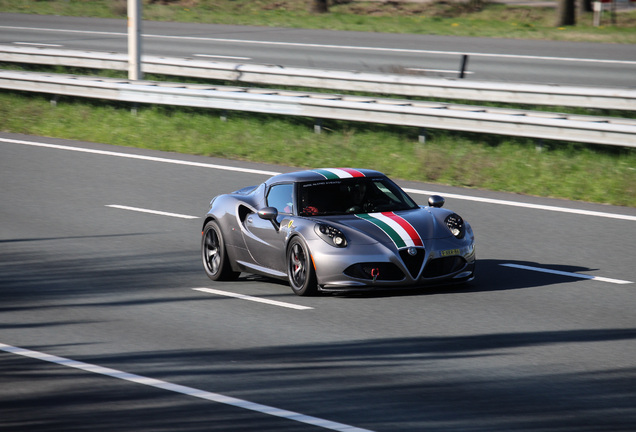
[
  {"x": 114, "y": 288},
  {"x": 489, "y": 59}
]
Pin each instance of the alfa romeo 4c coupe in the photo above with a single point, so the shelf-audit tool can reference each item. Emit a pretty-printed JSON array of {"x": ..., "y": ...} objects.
[{"x": 335, "y": 230}]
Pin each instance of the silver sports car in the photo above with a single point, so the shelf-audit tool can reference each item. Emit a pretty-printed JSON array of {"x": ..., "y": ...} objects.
[{"x": 333, "y": 230}]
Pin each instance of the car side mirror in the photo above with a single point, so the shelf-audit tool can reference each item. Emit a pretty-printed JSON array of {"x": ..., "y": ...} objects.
[
  {"x": 270, "y": 214},
  {"x": 436, "y": 201}
]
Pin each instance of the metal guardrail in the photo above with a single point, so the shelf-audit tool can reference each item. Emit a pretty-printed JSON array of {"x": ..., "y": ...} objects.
[
  {"x": 390, "y": 84},
  {"x": 596, "y": 130}
]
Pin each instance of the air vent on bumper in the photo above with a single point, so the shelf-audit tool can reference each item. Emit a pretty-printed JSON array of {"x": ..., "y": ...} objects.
[
  {"x": 413, "y": 259},
  {"x": 443, "y": 266}
]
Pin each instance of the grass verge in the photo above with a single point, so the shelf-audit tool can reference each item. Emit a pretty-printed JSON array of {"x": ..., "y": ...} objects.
[{"x": 564, "y": 170}]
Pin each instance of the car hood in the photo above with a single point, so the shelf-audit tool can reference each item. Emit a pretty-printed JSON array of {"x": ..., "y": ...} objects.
[{"x": 402, "y": 228}]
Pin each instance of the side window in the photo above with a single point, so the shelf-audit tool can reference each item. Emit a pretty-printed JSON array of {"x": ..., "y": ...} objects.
[{"x": 281, "y": 197}]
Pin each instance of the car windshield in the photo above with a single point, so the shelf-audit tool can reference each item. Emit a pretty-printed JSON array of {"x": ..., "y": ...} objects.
[{"x": 350, "y": 196}]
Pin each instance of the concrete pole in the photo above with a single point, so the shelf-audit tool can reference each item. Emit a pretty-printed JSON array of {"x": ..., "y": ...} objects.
[{"x": 134, "y": 40}]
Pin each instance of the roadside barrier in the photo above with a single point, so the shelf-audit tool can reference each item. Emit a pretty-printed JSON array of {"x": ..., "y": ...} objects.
[
  {"x": 376, "y": 83},
  {"x": 541, "y": 125}
]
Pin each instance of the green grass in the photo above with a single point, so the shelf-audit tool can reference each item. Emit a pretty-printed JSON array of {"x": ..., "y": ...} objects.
[
  {"x": 565, "y": 170},
  {"x": 455, "y": 18}
]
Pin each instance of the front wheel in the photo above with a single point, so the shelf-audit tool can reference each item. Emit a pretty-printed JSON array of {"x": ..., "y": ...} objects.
[
  {"x": 214, "y": 256},
  {"x": 300, "y": 269}
]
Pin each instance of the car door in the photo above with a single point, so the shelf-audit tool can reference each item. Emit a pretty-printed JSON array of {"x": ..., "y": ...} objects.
[{"x": 264, "y": 241}]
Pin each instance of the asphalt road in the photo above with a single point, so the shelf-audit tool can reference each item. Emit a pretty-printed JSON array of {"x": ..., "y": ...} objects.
[
  {"x": 101, "y": 327},
  {"x": 501, "y": 60}
]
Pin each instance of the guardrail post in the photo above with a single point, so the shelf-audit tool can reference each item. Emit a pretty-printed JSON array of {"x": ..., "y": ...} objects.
[
  {"x": 134, "y": 40},
  {"x": 318, "y": 126},
  {"x": 462, "y": 69},
  {"x": 598, "y": 11},
  {"x": 422, "y": 137}
]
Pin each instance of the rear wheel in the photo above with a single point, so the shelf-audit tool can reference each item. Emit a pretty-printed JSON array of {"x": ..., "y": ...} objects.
[
  {"x": 214, "y": 256},
  {"x": 300, "y": 269}
]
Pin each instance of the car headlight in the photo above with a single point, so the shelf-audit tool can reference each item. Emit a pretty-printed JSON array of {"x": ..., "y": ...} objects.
[
  {"x": 331, "y": 235},
  {"x": 455, "y": 224}
]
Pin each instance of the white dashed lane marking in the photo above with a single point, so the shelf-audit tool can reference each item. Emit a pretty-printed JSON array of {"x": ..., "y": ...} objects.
[
  {"x": 562, "y": 273},
  {"x": 156, "y": 212},
  {"x": 254, "y": 299}
]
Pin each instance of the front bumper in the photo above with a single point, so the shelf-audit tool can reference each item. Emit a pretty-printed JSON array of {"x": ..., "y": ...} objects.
[{"x": 442, "y": 261}]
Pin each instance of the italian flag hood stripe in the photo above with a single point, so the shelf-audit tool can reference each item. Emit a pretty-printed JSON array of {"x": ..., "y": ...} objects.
[
  {"x": 338, "y": 173},
  {"x": 396, "y": 227}
]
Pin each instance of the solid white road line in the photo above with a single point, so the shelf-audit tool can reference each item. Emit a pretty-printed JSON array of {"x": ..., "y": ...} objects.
[
  {"x": 254, "y": 299},
  {"x": 271, "y": 173},
  {"x": 161, "y": 213},
  {"x": 524, "y": 205},
  {"x": 562, "y": 273},
  {"x": 341, "y": 47},
  {"x": 176, "y": 388},
  {"x": 141, "y": 157}
]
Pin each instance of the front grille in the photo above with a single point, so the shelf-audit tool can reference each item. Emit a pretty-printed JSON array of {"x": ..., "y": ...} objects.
[
  {"x": 443, "y": 266},
  {"x": 413, "y": 262},
  {"x": 378, "y": 271}
]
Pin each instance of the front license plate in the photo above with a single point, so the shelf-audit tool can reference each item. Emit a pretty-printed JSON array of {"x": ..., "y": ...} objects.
[{"x": 450, "y": 252}]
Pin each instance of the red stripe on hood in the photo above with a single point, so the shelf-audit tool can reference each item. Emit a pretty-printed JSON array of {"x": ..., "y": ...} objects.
[{"x": 417, "y": 240}]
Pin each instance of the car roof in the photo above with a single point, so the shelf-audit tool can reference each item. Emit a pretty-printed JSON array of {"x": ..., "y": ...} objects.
[{"x": 323, "y": 174}]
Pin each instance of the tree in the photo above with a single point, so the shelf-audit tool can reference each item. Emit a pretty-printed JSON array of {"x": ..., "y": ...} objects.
[
  {"x": 319, "y": 6},
  {"x": 566, "y": 13},
  {"x": 585, "y": 6}
]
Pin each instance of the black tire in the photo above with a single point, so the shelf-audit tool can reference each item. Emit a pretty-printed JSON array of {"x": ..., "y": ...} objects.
[
  {"x": 215, "y": 261},
  {"x": 300, "y": 269}
]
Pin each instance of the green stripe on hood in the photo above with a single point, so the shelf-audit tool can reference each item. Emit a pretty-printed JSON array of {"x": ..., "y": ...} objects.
[{"x": 397, "y": 239}]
